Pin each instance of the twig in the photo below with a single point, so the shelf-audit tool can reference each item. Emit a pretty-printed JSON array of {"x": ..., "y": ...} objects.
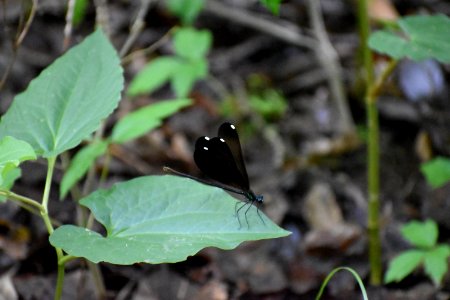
[
  {"x": 136, "y": 28},
  {"x": 149, "y": 49},
  {"x": 328, "y": 58},
  {"x": 27, "y": 24},
  {"x": 18, "y": 41},
  {"x": 102, "y": 16},
  {"x": 69, "y": 23},
  {"x": 290, "y": 34}
]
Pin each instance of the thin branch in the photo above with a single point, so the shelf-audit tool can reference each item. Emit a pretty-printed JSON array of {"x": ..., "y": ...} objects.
[
  {"x": 328, "y": 58},
  {"x": 27, "y": 202},
  {"x": 137, "y": 27},
  {"x": 69, "y": 23},
  {"x": 102, "y": 16},
  {"x": 127, "y": 59},
  {"x": 18, "y": 41},
  {"x": 290, "y": 34},
  {"x": 27, "y": 24}
]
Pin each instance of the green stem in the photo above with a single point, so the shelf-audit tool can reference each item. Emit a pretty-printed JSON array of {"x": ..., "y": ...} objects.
[
  {"x": 373, "y": 155},
  {"x": 49, "y": 226},
  {"x": 373, "y": 171},
  {"x": 65, "y": 259},
  {"x": 98, "y": 279},
  {"x": 373, "y": 226},
  {"x": 48, "y": 182},
  {"x": 331, "y": 274},
  {"x": 364, "y": 31},
  {"x": 59, "y": 281},
  {"x": 23, "y": 201}
]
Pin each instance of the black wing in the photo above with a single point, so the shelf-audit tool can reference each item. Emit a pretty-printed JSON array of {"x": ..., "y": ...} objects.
[
  {"x": 228, "y": 132},
  {"x": 215, "y": 159}
]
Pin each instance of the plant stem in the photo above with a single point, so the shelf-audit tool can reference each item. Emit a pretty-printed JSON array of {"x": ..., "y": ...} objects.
[
  {"x": 373, "y": 171},
  {"x": 59, "y": 280},
  {"x": 331, "y": 274},
  {"x": 364, "y": 31},
  {"x": 48, "y": 183},
  {"x": 373, "y": 88},
  {"x": 98, "y": 279},
  {"x": 329, "y": 60},
  {"x": 25, "y": 202},
  {"x": 49, "y": 226},
  {"x": 373, "y": 191}
]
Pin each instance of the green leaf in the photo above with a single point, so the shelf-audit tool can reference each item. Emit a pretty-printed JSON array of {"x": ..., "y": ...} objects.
[
  {"x": 435, "y": 263},
  {"x": 272, "y": 5},
  {"x": 421, "y": 234},
  {"x": 186, "y": 10},
  {"x": 160, "y": 219},
  {"x": 421, "y": 37},
  {"x": 192, "y": 44},
  {"x": 271, "y": 104},
  {"x": 187, "y": 74},
  {"x": 9, "y": 176},
  {"x": 12, "y": 153},
  {"x": 153, "y": 76},
  {"x": 79, "y": 11},
  {"x": 68, "y": 100},
  {"x": 80, "y": 164},
  {"x": 402, "y": 265},
  {"x": 436, "y": 171},
  {"x": 145, "y": 119}
]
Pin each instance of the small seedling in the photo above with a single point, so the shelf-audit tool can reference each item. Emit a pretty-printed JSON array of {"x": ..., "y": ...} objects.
[{"x": 427, "y": 252}]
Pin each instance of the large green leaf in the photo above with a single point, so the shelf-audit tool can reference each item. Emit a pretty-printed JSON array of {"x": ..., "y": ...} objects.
[
  {"x": 421, "y": 37},
  {"x": 68, "y": 100},
  {"x": 139, "y": 122},
  {"x": 158, "y": 219}
]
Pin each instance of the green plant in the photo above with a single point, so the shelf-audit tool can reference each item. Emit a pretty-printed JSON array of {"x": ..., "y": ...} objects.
[
  {"x": 188, "y": 65},
  {"x": 415, "y": 37},
  {"x": 152, "y": 219},
  {"x": 351, "y": 271},
  {"x": 430, "y": 254},
  {"x": 188, "y": 10},
  {"x": 437, "y": 171},
  {"x": 264, "y": 100},
  {"x": 131, "y": 126},
  {"x": 272, "y": 5}
]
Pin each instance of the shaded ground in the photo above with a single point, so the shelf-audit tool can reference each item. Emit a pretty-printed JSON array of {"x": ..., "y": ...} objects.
[{"x": 313, "y": 181}]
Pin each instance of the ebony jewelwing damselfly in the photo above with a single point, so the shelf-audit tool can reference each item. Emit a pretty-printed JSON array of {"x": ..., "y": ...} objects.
[{"x": 220, "y": 158}]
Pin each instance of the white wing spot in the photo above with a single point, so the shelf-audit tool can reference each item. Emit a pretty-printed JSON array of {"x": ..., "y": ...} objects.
[
  {"x": 206, "y": 138},
  {"x": 232, "y": 126},
  {"x": 222, "y": 140},
  {"x": 206, "y": 148}
]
